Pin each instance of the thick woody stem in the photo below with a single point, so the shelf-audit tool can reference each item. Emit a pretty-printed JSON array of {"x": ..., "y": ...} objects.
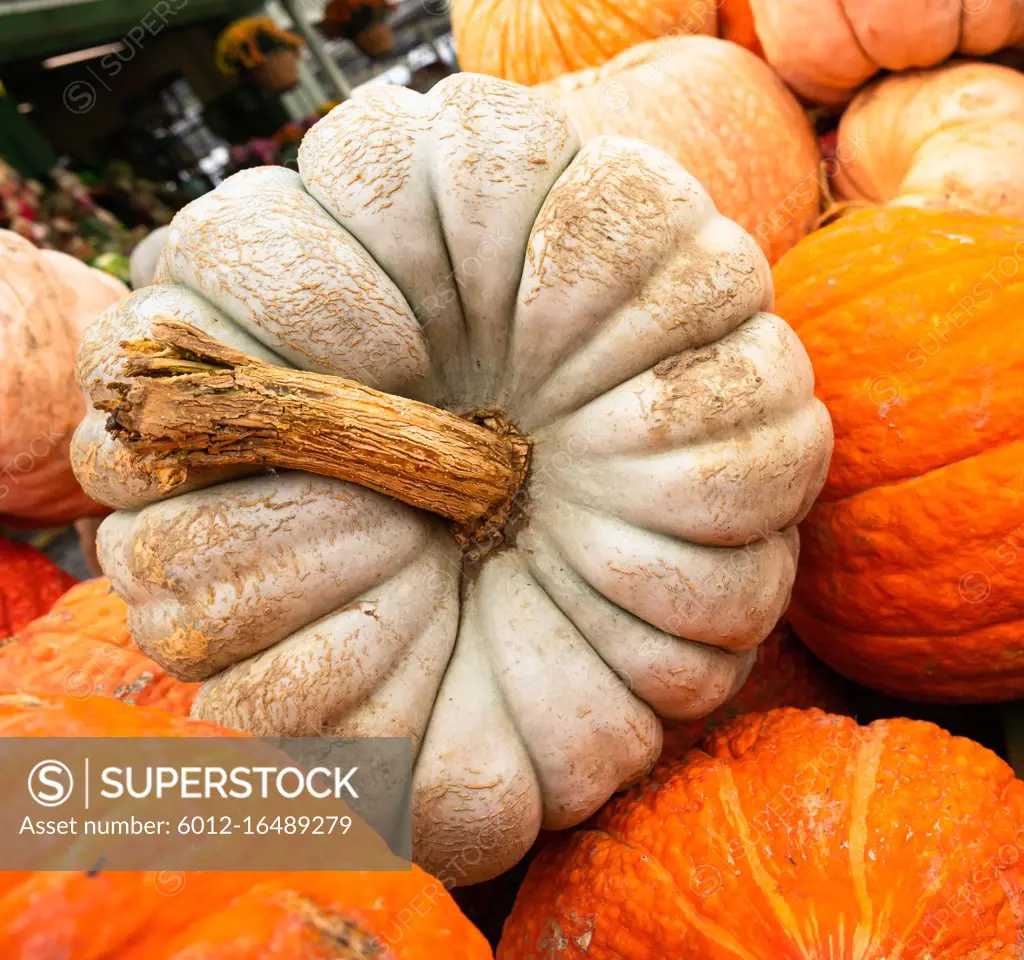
[{"x": 189, "y": 401}]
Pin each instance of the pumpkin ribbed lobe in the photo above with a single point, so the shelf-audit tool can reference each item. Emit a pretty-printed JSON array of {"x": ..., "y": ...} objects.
[{"x": 189, "y": 401}]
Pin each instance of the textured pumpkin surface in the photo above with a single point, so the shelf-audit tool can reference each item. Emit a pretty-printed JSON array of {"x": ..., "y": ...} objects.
[
  {"x": 826, "y": 49},
  {"x": 233, "y": 916},
  {"x": 530, "y": 41},
  {"x": 724, "y": 115},
  {"x": 911, "y": 579},
  {"x": 594, "y": 295},
  {"x": 82, "y": 648},
  {"x": 785, "y": 674},
  {"x": 791, "y": 834},
  {"x": 30, "y": 583},
  {"x": 40, "y": 404},
  {"x": 948, "y": 137},
  {"x": 212, "y": 916}
]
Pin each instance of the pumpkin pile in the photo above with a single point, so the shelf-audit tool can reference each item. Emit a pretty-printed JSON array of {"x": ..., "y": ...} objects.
[
  {"x": 603, "y": 441},
  {"x": 184, "y": 915}
]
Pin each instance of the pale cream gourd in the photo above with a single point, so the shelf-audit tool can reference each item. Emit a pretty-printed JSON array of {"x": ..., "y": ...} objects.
[
  {"x": 951, "y": 137},
  {"x": 463, "y": 250},
  {"x": 145, "y": 256}
]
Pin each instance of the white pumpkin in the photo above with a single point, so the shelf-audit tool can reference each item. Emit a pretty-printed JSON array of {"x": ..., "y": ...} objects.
[
  {"x": 145, "y": 256},
  {"x": 461, "y": 249}
]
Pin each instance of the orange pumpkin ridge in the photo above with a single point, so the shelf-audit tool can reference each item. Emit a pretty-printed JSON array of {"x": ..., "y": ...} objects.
[
  {"x": 854, "y": 843},
  {"x": 83, "y": 648},
  {"x": 910, "y": 576},
  {"x": 827, "y": 49},
  {"x": 537, "y": 40}
]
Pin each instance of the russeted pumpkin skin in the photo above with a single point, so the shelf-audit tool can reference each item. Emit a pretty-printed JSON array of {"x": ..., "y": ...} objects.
[
  {"x": 117, "y": 915},
  {"x": 827, "y": 49},
  {"x": 720, "y": 112},
  {"x": 911, "y": 579},
  {"x": 598, "y": 301},
  {"x": 952, "y": 137},
  {"x": 855, "y": 843}
]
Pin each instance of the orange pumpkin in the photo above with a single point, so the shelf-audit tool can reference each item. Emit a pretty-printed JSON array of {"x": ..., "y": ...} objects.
[
  {"x": 530, "y": 41},
  {"x": 40, "y": 403},
  {"x": 784, "y": 675},
  {"x": 827, "y": 49},
  {"x": 736, "y": 23},
  {"x": 791, "y": 834},
  {"x": 911, "y": 576},
  {"x": 405, "y": 915},
  {"x": 82, "y": 648},
  {"x": 91, "y": 291},
  {"x": 948, "y": 137},
  {"x": 30, "y": 583},
  {"x": 720, "y": 112}
]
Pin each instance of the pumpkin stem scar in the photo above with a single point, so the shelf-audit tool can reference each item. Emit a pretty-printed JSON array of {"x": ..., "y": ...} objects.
[{"x": 188, "y": 402}]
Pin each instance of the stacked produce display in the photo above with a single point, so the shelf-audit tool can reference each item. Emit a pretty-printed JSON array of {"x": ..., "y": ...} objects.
[{"x": 618, "y": 440}]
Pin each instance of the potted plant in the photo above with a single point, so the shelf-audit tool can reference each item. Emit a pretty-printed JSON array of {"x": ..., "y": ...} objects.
[
  {"x": 266, "y": 52},
  {"x": 364, "y": 22}
]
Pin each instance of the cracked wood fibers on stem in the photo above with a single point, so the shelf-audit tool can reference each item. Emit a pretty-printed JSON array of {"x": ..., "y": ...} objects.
[{"x": 190, "y": 400}]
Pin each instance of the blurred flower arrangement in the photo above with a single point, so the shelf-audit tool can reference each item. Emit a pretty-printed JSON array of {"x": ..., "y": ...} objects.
[
  {"x": 361, "y": 21},
  {"x": 66, "y": 219},
  {"x": 267, "y": 53},
  {"x": 246, "y": 43},
  {"x": 282, "y": 148}
]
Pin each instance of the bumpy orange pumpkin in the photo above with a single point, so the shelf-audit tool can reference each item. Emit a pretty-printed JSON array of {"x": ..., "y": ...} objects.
[
  {"x": 911, "y": 575},
  {"x": 785, "y": 674},
  {"x": 536, "y": 40},
  {"x": 724, "y": 115},
  {"x": 826, "y": 49},
  {"x": 82, "y": 648},
  {"x": 792, "y": 834},
  {"x": 30, "y": 583},
  {"x": 40, "y": 404},
  {"x": 405, "y": 915},
  {"x": 948, "y": 137}
]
